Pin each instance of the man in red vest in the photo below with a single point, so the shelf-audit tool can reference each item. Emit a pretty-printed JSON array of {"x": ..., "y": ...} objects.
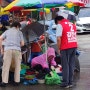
[{"x": 67, "y": 44}]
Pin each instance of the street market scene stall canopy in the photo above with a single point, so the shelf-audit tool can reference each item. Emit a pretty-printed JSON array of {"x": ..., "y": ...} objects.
[
  {"x": 11, "y": 6},
  {"x": 2, "y": 12},
  {"x": 77, "y": 2},
  {"x": 20, "y": 4},
  {"x": 40, "y": 3}
]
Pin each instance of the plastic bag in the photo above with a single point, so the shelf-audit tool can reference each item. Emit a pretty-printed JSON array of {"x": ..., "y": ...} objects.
[{"x": 54, "y": 79}]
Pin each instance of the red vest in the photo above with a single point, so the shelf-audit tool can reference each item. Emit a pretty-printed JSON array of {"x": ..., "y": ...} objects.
[{"x": 68, "y": 39}]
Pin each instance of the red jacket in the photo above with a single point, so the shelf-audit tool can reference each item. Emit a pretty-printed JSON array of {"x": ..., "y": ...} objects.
[{"x": 68, "y": 39}]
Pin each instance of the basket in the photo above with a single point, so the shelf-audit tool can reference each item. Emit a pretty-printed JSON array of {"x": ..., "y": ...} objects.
[{"x": 41, "y": 81}]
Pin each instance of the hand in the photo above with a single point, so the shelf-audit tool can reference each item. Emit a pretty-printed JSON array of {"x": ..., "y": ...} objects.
[
  {"x": 52, "y": 67},
  {"x": 51, "y": 73},
  {"x": 58, "y": 52}
]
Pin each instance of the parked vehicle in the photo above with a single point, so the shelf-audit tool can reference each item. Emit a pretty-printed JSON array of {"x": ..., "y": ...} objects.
[{"x": 83, "y": 24}]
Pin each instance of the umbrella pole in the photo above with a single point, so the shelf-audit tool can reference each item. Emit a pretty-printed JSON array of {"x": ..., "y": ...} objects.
[
  {"x": 0, "y": 6},
  {"x": 44, "y": 17},
  {"x": 13, "y": 16},
  {"x": 31, "y": 14}
]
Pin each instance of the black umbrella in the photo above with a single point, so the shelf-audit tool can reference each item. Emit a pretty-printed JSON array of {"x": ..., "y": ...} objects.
[{"x": 33, "y": 31}]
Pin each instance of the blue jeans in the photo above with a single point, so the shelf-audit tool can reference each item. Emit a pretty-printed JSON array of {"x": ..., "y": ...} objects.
[{"x": 68, "y": 65}]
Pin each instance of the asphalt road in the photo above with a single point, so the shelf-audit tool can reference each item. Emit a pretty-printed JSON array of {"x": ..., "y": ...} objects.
[
  {"x": 83, "y": 42},
  {"x": 83, "y": 82}
]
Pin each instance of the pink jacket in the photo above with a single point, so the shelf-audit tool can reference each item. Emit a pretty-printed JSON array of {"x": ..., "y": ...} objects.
[{"x": 42, "y": 59}]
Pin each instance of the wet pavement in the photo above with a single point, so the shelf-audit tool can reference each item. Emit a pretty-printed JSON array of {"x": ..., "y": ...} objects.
[{"x": 81, "y": 80}]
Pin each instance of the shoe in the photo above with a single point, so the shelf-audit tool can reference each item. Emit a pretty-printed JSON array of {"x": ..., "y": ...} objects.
[
  {"x": 64, "y": 86},
  {"x": 2, "y": 84},
  {"x": 15, "y": 83},
  {"x": 71, "y": 85}
]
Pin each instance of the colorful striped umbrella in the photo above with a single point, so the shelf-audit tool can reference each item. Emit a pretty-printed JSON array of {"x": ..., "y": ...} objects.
[
  {"x": 77, "y": 2},
  {"x": 11, "y": 8},
  {"x": 2, "y": 12},
  {"x": 40, "y": 3}
]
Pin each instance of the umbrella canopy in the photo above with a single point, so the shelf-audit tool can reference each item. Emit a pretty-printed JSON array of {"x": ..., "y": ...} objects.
[
  {"x": 2, "y": 12},
  {"x": 33, "y": 31},
  {"x": 9, "y": 1},
  {"x": 11, "y": 8},
  {"x": 77, "y": 2},
  {"x": 69, "y": 5},
  {"x": 68, "y": 15},
  {"x": 40, "y": 3},
  {"x": 16, "y": 8}
]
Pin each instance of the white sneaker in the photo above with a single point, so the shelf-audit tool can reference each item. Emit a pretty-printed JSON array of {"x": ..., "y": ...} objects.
[{"x": 71, "y": 86}]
